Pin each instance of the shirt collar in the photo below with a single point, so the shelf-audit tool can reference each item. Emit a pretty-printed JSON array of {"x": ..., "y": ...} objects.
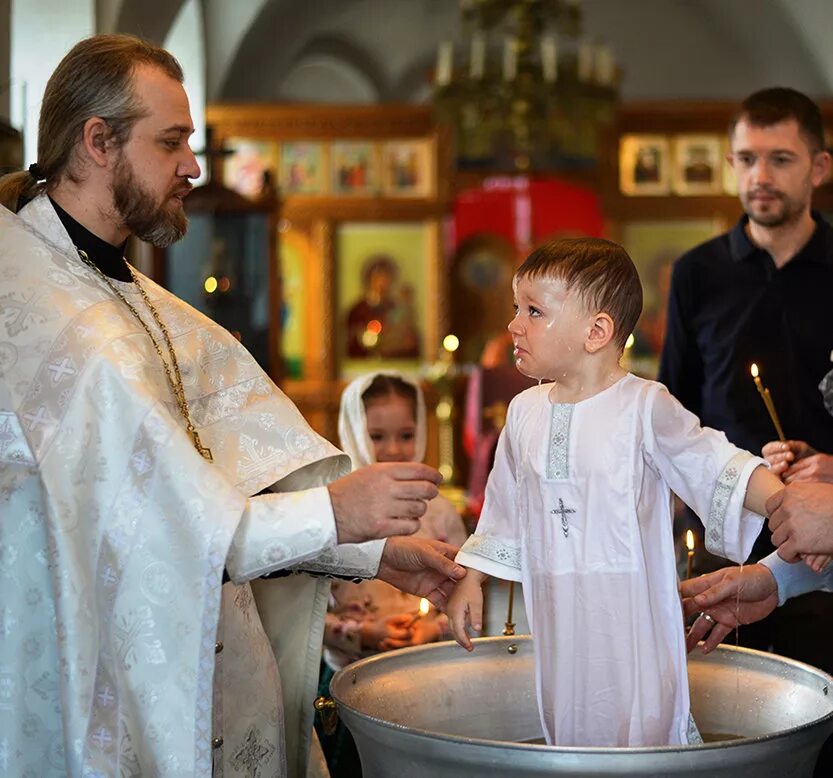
[
  {"x": 107, "y": 258},
  {"x": 819, "y": 249}
]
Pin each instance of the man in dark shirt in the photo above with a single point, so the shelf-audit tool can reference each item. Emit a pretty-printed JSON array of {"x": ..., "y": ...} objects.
[{"x": 762, "y": 293}]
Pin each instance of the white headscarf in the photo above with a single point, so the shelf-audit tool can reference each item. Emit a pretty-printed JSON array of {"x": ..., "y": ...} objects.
[{"x": 352, "y": 420}]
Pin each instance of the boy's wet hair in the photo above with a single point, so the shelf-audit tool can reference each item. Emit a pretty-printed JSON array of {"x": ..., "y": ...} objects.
[
  {"x": 600, "y": 271},
  {"x": 384, "y": 385},
  {"x": 780, "y": 104}
]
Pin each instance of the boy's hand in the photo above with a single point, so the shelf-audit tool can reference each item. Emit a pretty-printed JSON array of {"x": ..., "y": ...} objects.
[
  {"x": 816, "y": 562},
  {"x": 465, "y": 607},
  {"x": 782, "y": 454}
]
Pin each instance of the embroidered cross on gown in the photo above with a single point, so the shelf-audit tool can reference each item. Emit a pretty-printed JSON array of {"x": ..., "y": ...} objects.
[{"x": 582, "y": 516}]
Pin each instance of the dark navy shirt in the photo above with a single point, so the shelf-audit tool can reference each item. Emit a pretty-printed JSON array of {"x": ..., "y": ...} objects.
[{"x": 729, "y": 306}]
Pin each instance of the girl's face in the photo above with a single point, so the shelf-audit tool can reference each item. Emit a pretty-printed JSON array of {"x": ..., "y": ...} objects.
[{"x": 392, "y": 428}]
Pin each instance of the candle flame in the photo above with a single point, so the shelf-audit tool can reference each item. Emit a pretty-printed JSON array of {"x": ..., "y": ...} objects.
[
  {"x": 689, "y": 540},
  {"x": 754, "y": 370},
  {"x": 424, "y": 605}
]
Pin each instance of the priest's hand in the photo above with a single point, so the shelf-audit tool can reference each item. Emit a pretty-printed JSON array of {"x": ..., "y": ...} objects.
[
  {"x": 422, "y": 567},
  {"x": 801, "y": 520},
  {"x": 730, "y": 597},
  {"x": 381, "y": 500}
]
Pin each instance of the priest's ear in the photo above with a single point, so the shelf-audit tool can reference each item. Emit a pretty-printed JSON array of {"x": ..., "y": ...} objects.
[
  {"x": 601, "y": 332},
  {"x": 96, "y": 138}
]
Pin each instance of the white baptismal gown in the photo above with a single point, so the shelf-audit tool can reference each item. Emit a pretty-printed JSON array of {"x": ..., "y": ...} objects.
[{"x": 579, "y": 508}]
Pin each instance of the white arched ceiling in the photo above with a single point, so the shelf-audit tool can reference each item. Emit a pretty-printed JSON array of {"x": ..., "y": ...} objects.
[
  {"x": 668, "y": 49},
  {"x": 226, "y": 25},
  {"x": 382, "y": 39},
  {"x": 331, "y": 80}
]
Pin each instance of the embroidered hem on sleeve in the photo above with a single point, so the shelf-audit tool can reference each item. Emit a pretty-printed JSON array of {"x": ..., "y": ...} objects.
[
  {"x": 558, "y": 464},
  {"x": 489, "y": 548},
  {"x": 726, "y": 485}
]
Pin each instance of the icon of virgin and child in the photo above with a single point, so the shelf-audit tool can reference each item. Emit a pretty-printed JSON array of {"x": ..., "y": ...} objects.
[{"x": 383, "y": 322}]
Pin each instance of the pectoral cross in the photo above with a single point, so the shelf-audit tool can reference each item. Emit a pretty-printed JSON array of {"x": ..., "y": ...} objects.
[{"x": 562, "y": 511}]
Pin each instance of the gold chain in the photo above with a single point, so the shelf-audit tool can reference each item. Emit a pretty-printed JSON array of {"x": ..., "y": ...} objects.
[{"x": 175, "y": 378}]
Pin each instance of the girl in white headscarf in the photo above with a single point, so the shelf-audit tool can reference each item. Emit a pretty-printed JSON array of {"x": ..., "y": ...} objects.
[{"x": 382, "y": 419}]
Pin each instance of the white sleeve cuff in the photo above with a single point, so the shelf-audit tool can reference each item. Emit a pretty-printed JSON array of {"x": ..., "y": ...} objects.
[
  {"x": 795, "y": 578},
  {"x": 491, "y": 556},
  {"x": 281, "y": 530},
  {"x": 731, "y": 529},
  {"x": 351, "y": 560}
]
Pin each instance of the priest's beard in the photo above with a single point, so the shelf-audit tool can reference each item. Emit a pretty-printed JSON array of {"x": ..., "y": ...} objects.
[{"x": 159, "y": 225}]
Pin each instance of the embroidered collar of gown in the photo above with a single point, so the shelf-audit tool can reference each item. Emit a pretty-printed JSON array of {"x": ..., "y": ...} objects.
[{"x": 107, "y": 258}]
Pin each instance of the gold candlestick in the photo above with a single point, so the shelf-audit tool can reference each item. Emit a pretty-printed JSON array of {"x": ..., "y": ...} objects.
[
  {"x": 767, "y": 398},
  {"x": 689, "y": 544},
  {"x": 509, "y": 627}
]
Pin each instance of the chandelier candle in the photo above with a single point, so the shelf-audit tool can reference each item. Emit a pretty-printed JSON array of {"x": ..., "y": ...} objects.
[{"x": 767, "y": 398}]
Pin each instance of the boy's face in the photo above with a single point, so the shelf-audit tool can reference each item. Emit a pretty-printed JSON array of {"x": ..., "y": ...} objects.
[{"x": 550, "y": 328}]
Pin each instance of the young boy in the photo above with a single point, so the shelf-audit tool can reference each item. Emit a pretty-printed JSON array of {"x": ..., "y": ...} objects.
[{"x": 579, "y": 507}]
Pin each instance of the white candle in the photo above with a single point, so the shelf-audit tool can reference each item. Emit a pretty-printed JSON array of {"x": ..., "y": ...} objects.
[
  {"x": 510, "y": 60},
  {"x": 478, "y": 55},
  {"x": 549, "y": 59},
  {"x": 445, "y": 58},
  {"x": 604, "y": 66}
]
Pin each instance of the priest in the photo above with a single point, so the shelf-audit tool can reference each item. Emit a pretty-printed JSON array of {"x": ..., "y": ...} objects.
[{"x": 153, "y": 480}]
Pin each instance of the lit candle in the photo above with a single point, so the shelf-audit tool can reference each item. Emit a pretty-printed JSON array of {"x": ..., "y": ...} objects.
[
  {"x": 767, "y": 398},
  {"x": 424, "y": 607},
  {"x": 689, "y": 544}
]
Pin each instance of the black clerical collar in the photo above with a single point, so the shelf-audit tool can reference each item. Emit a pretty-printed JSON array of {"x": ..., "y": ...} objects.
[{"x": 107, "y": 258}]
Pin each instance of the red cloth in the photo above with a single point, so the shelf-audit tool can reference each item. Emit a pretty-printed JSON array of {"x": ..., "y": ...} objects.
[{"x": 550, "y": 208}]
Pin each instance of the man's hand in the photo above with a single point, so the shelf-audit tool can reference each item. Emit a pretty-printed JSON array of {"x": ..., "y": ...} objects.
[
  {"x": 730, "y": 596},
  {"x": 417, "y": 632},
  {"x": 381, "y": 500},
  {"x": 377, "y": 632},
  {"x": 422, "y": 567},
  {"x": 801, "y": 520}
]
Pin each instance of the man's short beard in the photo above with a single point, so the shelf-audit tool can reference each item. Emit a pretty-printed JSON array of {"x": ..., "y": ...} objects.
[
  {"x": 141, "y": 215},
  {"x": 788, "y": 214}
]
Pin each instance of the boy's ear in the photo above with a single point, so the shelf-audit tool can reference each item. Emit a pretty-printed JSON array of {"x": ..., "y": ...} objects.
[{"x": 602, "y": 330}]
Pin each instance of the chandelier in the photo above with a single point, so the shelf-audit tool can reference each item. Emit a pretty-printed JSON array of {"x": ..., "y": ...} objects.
[{"x": 525, "y": 89}]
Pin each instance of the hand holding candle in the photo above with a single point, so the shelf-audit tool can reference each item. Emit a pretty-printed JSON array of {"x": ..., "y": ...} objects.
[{"x": 767, "y": 398}]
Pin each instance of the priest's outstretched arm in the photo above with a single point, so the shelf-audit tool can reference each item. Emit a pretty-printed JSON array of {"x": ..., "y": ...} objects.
[{"x": 317, "y": 530}]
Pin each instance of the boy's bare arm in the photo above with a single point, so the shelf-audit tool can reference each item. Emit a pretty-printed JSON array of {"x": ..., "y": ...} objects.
[{"x": 762, "y": 485}]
